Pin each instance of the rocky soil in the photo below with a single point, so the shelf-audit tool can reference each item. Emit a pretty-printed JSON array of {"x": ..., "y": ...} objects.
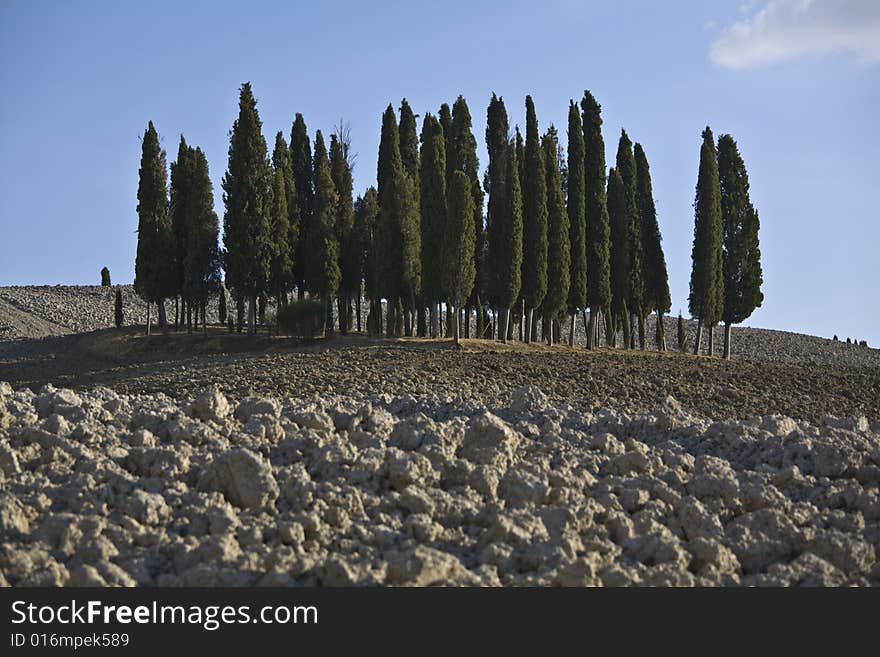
[{"x": 102, "y": 488}]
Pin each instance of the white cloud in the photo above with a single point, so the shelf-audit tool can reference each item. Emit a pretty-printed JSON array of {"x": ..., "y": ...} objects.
[{"x": 787, "y": 29}]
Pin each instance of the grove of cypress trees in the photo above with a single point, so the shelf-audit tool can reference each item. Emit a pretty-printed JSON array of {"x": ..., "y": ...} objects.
[
  {"x": 462, "y": 156},
  {"x": 323, "y": 275},
  {"x": 577, "y": 291},
  {"x": 598, "y": 231},
  {"x": 626, "y": 165},
  {"x": 201, "y": 265},
  {"x": 741, "y": 257},
  {"x": 366, "y": 213},
  {"x": 656, "y": 279},
  {"x": 154, "y": 226},
  {"x": 433, "y": 226},
  {"x": 247, "y": 195},
  {"x": 618, "y": 212},
  {"x": 303, "y": 171},
  {"x": 534, "y": 266},
  {"x": 281, "y": 162},
  {"x": 459, "y": 268},
  {"x": 706, "y": 299},
  {"x": 349, "y": 283},
  {"x": 558, "y": 245},
  {"x": 118, "y": 316}
]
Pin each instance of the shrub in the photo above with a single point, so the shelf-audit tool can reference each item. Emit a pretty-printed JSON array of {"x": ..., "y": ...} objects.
[
  {"x": 301, "y": 318},
  {"x": 835, "y": 337},
  {"x": 105, "y": 277}
]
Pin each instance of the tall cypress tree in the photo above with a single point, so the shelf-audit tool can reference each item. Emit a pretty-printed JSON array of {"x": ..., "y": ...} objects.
[
  {"x": 349, "y": 285},
  {"x": 247, "y": 195},
  {"x": 497, "y": 142},
  {"x": 154, "y": 226},
  {"x": 281, "y": 267},
  {"x": 281, "y": 162},
  {"x": 598, "y": 231},
  {"x": 202, "y": 262},
  {"x": 434, "y": 230},
  {"x": 577, "y": 199},
  {"x": 458, "y": 249},
  {"x": 462, "y": 156},
  {"x": 324, "y": 273},
  {"x": 398, "y": 229},
  {"x": 558, "y": 245},
  {"x": 180, "y": 173},
  {"x": 366, "y": 213},
  {"x": 626, "y": 166},
  {"x": 618, "y": 212},
  {"x": 654, "y": 262},
  {"x": 409, "y": 155},
  {"x": 741, "y": 258},
  {"x": 303, "y": 170},
  {"x": 706, "y": 299},
  {"x": 534, "y": 267}
]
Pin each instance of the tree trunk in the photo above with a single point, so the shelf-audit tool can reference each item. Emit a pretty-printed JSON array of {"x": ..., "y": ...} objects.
[
  {"x": 163, "y": 323},
  {"x": 455, "y": 316},
  {"x": 205, "y": 318},
  {"x": 148, "y": 317},
  {"x": 176, "y": 312},
  {"x": 642, "y": 337},
  {"x": 571, "y": 331},
  {"x": 341, "y": 302},
  {"x": 590, "y": 329},
  {"x": 503, "y": 325},
  {"x": 421, "y": 322},
  {"x": 239, "y": 312},
  {"x": 699, "y": 341},
  {"x": 357, "y": 307},
  {"x": 527, "y": 326},
  {"x": 711, "y": 339},
  {"x": 389, "y": 319},
  {"x": 727, "y": 335},
  {"x": 252, "y": 315},
  {"x": 661, "y": 333}
]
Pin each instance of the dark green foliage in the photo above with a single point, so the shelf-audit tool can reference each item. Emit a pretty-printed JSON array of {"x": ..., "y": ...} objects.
[
  {"x": 201, "y": 264},
  {"x": 741, "y": 257},
  {"x": 281, "y": 162},
  {"x": 445, "y": 118},
  {"x": 598, "y": 232},
  {"x": 558, "y": 245},
  {"x": 461, "y": 155},
  {"x": 222, "y": 305},
  {"x": 706, "y": 298},
  {"x": 366, "y": 213},
  {"x": 433, "y": 208},
  {"x": 626, "y": 165},
  {"x": 303, "y": 171},
  {"x": 577, "y": 292},
  {"x": 409, "y": 142},
  {"x": 349, "y": 258},
  {"x": 618, "y": 212},
  {"x": 682, "y": 335},
  {"x": 247, "y": 195},
  {"x": 520, "y": 156},
  {"x": 656, "y": 278},
  {"x": 154, "y": 227},
  {"x": 105, "y": 277},
  {"x": 118, "y": 316},
  {"x": 495, "y": 182},
  {"x": 534, "y": 193},
  {"x": 399, "y": 266},
  {"x": 458, "y": 247},
  {"x": 281, "y": 270},
  {"x": 301, "y": 318},
  {"x": 506, "y": 237},
  {"x": 179, "y": 192},
  {"x": 323, "y": 274}
]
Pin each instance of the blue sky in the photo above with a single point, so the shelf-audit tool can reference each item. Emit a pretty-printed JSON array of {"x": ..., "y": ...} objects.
[{"x": 797, "y": 83}]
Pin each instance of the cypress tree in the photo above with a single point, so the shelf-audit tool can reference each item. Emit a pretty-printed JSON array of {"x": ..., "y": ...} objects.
[
  {"x": 577, "y": 292},
  {"x": 462, "y": 156},
  {"x": 281, "y": 162},
  {"x": 656, "y": 279},
  {"x": 497, "y": 143},
  {"x": 682, "y": 335},
  {"x": 398, "y": 230},
  {"x": 520, "y": 156},
  {"x": 281, "y": 268},
  {"x": 154, "y": 226},
  {"x": 706, "y": 299},
  {"x": 349, "y": 284},
  {"x": 118, "y": 316},
  {"x": 303, "y": 170},
  {"x": 247, "y": 195},
  {"x": 409, "y": 142},
  {"x": 741, "y": 256},
  {"x": 598, "y": 231},
  {"x": 626, "y": 165},
  {"x": 558, "y": 245},
  {"x": 534, "y": 266},
  {"x": 202, "y": 262},
  {"x": 433, "y": 225},
  {"x": 458, "y": 249},
  {"x": 105, "y": 277},
  {"x": 366, "y": 213},
  {"x": 445, "y": 118},
  {"x": 324, "y": 273},
  {"x": 618, "y": 212},
  {"x": 506, "y": 242},
  {"x": 179, "y": 192}
]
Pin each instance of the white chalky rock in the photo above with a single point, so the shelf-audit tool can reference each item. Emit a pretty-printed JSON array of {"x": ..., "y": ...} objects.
[{"x": 243, "y": 477}]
